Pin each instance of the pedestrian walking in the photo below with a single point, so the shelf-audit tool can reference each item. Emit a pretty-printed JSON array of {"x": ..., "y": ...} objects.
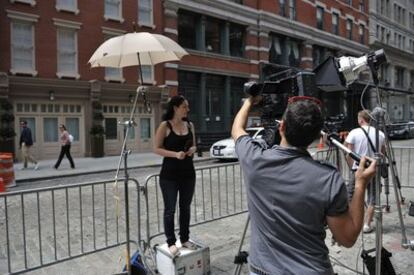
[
  {"x": 65, "y": 141},
  {"x": 25, "y": 144},
  {"x": 175, "y": 141}
]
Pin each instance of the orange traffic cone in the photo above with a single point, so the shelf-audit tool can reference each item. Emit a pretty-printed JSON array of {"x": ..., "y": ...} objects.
[{"x": 2, "y": 187}]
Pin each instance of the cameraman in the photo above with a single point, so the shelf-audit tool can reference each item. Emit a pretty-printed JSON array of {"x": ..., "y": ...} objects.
[{"x": 291, "y": 197}]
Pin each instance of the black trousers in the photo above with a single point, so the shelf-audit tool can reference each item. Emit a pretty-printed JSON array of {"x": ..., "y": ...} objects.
[
  {"x": 65, "y": 150},
  {"x": 170, "y": 189}
]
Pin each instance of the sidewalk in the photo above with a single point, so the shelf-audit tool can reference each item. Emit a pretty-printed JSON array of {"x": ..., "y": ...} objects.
[{"x": 88, "y": 165}]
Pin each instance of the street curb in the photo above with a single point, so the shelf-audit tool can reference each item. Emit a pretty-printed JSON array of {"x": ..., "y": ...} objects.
[{"x": 96, "y": 171}]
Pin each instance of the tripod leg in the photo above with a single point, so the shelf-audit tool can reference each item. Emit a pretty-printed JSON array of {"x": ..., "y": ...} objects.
[{"x": 239, "y": 262}]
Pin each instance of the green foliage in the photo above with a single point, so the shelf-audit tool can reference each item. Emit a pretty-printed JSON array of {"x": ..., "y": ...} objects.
[
  {"x": 7, "y": 117},
  {"x": 7, "y": 133},
  {"x": 97, "y": 130},
  {"x": 6, "y": 105}
]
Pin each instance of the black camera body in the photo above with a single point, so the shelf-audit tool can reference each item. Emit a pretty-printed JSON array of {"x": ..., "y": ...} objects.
[{"x": 275, "y": 95}]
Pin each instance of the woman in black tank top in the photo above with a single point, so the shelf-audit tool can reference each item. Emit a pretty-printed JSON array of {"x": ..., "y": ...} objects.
[{"x": 175, "y": 141}]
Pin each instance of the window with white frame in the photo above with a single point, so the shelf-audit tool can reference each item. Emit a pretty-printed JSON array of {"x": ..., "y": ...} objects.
[
  {"x": 67, "y": 52},
  {"x": 113, "y": 9},
  {"x": 113, "y": 74},
  {"x": 145, "y": 16},
  {"x": 67, "y": 5},
  {"x": 22, "y": 47},
  {"x": 147, "y": 74}
]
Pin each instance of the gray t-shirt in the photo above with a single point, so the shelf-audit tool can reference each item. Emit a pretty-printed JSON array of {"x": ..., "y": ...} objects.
[{"x": 289, "y": 196}]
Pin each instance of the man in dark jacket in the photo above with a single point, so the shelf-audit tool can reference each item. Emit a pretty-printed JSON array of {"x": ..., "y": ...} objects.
[{"x": 26, "y": 143}]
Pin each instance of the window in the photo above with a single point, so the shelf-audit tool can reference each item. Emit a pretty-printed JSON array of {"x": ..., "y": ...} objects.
[
  {"x": 213, "y": 35},
  {"x": 147, "y": 74},
  {"x": 111, "y": 131},
  {"x": 113, "y": 9},
  {"x": 275, "y": 50},
  {"x": 319, "y": 17},
  {"x": 282, "y": 7},
  {"x": 236, "y": 94},
  {"x": 50, "y": 129},
  {"x": 319, "y": 54},
  {"x": 145, "y": 127},
  {"x": 349, "y": 28},
  {"x": 187, "y": 23},
  {"x": 361, "y": 34},
  {"x": 335, "y": 23},
  {"x": 22, "y": 47},
  {"x": 236, "y": 40},
  {"x": 72, "y": 125},
  {"x": 190, "y": 86},
  {"x": 67, "y": 53},
  {"x": 292, "y": 9},
  {"x": 67, "y": 5},
  {"x": 145, "y": 16},
  {"x": 399, "y": 77},
  {"x": 361, "y": 6}
]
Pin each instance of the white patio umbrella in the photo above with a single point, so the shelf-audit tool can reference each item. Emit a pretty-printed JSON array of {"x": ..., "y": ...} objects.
[{"x": 136, "y": 49}]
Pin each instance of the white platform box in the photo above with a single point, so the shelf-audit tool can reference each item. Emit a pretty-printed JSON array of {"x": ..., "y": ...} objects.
[{"x": 190, "y": 262}]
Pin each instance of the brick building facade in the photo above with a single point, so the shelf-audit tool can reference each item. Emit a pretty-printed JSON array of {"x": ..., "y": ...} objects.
[{"x": 45, "y": 46}]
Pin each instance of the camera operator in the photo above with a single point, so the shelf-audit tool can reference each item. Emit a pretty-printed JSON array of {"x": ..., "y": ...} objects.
[
  {"x": 361, "y": 141},
  {"x": 291, "y": 197}
]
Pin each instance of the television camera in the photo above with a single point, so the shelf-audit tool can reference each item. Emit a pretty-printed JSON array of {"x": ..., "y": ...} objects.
[{"x": 333, "y": 75}]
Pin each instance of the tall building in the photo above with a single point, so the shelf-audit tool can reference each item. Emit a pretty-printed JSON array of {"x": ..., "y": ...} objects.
[
  {"x": 392, "y": 28},
  {"x": 45, "y": 46}
]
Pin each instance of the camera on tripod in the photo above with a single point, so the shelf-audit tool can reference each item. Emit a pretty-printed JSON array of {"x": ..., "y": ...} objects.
[{"x": 333, "y": 75}]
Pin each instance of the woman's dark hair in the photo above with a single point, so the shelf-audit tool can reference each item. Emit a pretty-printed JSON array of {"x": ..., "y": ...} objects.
[
  {"x": 175, "y": 101},
  {"x": 303, "y": 123},
  {"x": 62, "y": 126}
]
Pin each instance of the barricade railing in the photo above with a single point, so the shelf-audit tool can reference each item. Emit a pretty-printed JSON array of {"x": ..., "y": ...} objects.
[
  {"x": 44, "y": 226},
  {"x": 403, "y": 155},
  {"x": 219, "y": 193}
]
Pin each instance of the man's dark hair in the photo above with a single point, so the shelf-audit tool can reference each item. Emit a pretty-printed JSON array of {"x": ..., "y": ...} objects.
[{"x": 303, "y": 122}]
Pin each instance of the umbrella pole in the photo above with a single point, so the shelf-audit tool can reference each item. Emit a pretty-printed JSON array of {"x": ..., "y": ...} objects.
[{"x": 144, "y": 97}]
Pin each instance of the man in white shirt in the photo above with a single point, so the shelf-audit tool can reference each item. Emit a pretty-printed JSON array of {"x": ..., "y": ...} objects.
[{"x": 358, "y": 142}]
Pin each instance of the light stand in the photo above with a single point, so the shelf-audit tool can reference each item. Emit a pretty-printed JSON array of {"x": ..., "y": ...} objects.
[
  {"x": 124, "y": 156},
  {"x": 379, "y": 121}
]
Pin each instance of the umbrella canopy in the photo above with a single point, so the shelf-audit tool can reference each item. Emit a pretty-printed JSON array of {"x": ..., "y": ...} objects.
[{"x": 138, "y": 48}]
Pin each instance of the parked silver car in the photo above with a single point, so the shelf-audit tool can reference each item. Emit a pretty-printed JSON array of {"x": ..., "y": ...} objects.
[
  {"x": 404, "y": 130},
  {"x": 225, "y": 148}
]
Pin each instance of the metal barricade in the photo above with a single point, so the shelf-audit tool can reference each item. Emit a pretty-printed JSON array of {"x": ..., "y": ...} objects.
[
  {"x": 44, "y": 226},
  {"x": 219, "y": 193},
  {"x": 403, "y": 155}
]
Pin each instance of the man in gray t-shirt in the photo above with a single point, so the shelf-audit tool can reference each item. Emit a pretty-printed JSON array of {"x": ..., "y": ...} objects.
[{"x": 291, "y": 197}]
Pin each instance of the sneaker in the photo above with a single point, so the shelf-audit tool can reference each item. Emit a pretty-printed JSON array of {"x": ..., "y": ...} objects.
[
  {"x": 36, "y": 167},
  {"x": 174, "y": 251},
  {"x": 367, "y": 228},
  {"x": 189, "y": 245}
]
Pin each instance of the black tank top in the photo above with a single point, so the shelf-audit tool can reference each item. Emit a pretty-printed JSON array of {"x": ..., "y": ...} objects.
[{"x": 173, "y": 168}]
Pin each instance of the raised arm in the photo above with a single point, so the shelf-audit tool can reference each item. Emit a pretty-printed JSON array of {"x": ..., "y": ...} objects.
[
  {"x": 346, "y": 227},
  {"x": 240, "y": 121}
]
